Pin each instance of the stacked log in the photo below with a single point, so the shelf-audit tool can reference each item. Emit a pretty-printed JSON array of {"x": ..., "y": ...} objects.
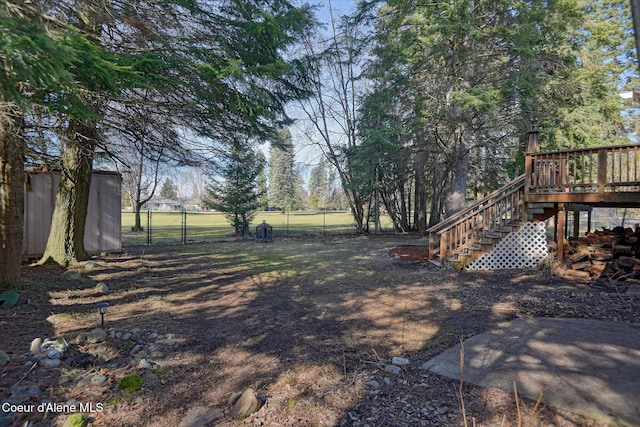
[{"x": 612, "y": 255}]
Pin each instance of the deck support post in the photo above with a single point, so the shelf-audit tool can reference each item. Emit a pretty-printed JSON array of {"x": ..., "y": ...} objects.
[
  {"x": 560, "y": 218},
  {"x": 576, "y": 224}
]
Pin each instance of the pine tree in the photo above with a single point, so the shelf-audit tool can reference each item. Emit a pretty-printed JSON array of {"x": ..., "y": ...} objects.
[
  {"x": 169, "y": 189},
  {"x": 283, "y": 176},
  {"x": 235, "y": 191},
  {"x": 263, "y": 183}
]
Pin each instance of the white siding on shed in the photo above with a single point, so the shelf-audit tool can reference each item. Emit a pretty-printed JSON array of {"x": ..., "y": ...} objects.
[{"x": 103, "y": 230}]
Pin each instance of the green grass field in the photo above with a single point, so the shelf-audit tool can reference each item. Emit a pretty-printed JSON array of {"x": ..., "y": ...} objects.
[{"x": 167, "y": 226}]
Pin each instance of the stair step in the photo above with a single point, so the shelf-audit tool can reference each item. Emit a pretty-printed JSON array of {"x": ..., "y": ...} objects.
[{"x": 494, "y": 235}]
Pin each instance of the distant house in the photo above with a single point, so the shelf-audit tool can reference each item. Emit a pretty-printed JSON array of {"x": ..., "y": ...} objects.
[
  {"x": 193, "y": 205},
  {"x": 162, "y": 204}
]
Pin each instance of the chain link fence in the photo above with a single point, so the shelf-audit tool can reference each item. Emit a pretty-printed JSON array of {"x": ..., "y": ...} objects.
[{"x": 175, "y": 227}]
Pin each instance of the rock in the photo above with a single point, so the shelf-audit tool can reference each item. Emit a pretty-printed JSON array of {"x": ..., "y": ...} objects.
[
  {"x": 54, "y": 353},
  {"x": 135, "y": 336},
  {"x": 145, "y": 364},
  {"x": 85, "y": 381},
  {"x": 234, "y": 398},
  {"x": 60, "y": 344},
  {"x": 136, "y": 348},
  {"x": 135, "y": 330},
  {"x": 246, "y": 405},
  {"x": 59, "y": 318},
  {"x": 4, "y": 358},
  {"x": 102, "y": 288},
  {"x": 392, "y": 369},
  {"x": 142, "y": 354},
  {"x": 200, "y": 417},
  {"x": 72, "y": 274},
  {"x": 126, "y": 336},
  {"x": 157, "y": 354},
  {"x": 76, "y": 420},
  {"x": 373, "y": 384},
  {"x": 98, "y": 380},
  {"x": 35, "y": 346},
  {"x": 153, "y": 335},
  {"x": 9, "y": 298},
  {"x": 400, "y": 361},
  {"x": 81, "y": 339},
  {"x": 49, "y": 363},
  {"x": 96, "y": 335},
  {"x": 90, "y": 266}
]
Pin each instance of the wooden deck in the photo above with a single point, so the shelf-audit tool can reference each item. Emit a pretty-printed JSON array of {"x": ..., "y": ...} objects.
[
  {"x": 596, "y": 177},
  {"x": 553, "y": 183},
  {"x": 604, "y": 176}
]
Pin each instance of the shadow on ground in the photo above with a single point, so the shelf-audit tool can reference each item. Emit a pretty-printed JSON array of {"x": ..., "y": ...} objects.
[{"x": 311, "y": 325}]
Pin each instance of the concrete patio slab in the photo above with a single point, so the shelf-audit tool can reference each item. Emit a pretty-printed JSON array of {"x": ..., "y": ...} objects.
[{"x": 590, "y": 367}]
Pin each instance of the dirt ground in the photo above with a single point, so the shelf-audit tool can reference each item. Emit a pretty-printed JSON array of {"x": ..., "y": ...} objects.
[{"x": 310, "y": 325}]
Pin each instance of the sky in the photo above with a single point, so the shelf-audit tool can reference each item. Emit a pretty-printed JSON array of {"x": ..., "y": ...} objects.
[{"x": 306, "y": 156}]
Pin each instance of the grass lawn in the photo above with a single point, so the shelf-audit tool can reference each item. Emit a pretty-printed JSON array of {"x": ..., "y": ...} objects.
[
  {"x": 167, "y": 226},
  {"x": 306, "y": 323}
]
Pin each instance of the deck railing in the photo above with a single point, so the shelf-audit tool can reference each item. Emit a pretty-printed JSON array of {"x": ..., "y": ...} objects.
[
  {"x": 467, "y": 227},
  {"x": 593, "y": 172},
  {"x": 593, "y": 176}
]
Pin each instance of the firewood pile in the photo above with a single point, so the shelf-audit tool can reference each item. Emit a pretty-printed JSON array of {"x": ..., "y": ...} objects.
[{"x": 610, "y": 255}]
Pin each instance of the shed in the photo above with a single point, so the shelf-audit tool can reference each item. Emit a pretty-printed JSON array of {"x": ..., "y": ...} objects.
[{"x": 103, "y": 230}]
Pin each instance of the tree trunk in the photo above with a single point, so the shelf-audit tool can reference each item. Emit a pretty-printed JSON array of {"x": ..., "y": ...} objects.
[
  {"x": 420, "y": 199},
  {"x": 456, "y": 197},
  {"x": 65, "y": 245},
  {"x": 437, "y": 189},
  {"x": 137, "y": 204},
  {"x": 11, "y": 196}
]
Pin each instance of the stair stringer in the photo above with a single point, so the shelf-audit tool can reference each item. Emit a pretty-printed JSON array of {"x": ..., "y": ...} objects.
[{"x": 524, "y": 248}]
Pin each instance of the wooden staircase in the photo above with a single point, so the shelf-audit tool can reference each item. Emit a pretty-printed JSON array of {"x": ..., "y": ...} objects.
[
  {"x": 464, "y": 236},
  {"x": 605, "y": 176}
]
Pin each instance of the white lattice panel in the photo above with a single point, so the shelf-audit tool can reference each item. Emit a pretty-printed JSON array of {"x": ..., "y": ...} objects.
[{"x": 524, "y": 248}]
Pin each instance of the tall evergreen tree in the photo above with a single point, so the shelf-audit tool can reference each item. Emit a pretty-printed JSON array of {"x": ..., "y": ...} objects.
[
  {"x": 457, "y": 83},
  {"x": 169, "y": 189},
  {"x": 235, "y": 191},
  {"x": 263, "y": 183},
  {"x": 42, "y": 71},
  {"x": 217, "y": 70},
  {"x": 586, "y": 102},
  {"x": 317, "y": 187},
  {"x": 283, "y": 176}
]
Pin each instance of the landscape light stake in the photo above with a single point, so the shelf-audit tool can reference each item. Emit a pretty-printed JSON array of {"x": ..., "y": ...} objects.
[{"x": 102, "y": 309}]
